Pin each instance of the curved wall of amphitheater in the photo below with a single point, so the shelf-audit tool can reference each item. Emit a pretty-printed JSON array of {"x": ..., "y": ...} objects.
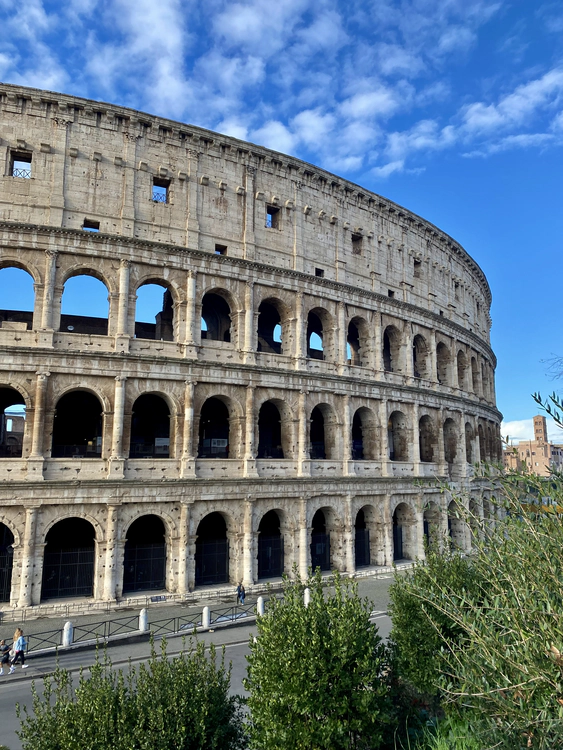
[{"x": 343, "y": 365}]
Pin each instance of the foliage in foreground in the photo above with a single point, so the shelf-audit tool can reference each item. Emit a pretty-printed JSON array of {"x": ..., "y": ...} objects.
[
  {"x": 507, "y": 676},
  {"x": 315, "y": 672},
  {"x": 181, "y": 703}
]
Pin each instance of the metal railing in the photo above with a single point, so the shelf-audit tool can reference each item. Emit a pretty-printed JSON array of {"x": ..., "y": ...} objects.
[
  {"x": 103, "y": 630},
  {"x": 25, "y": 173},
  {"x": 231, "y": 614},
  {"x": 40, "y": 641},
  {"x": 159, "y": 197},
  {"x": 175, "y": 624}
]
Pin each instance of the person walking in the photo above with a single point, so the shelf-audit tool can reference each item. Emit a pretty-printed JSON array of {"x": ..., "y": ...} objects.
[
  {"x": 19, "y": 649},
  {"x": 4, "y": 655},
  {"x": 242, "y": 594}
]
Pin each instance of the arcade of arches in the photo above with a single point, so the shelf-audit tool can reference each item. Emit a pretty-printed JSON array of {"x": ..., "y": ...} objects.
[{"x": 112, "y": 553}]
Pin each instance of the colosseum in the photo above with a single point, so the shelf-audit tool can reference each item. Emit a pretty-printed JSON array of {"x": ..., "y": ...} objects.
[{"x": 319, "y": 358}]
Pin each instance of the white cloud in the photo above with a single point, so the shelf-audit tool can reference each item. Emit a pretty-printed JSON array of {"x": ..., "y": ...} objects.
[
  {"x": 523, "y": 429},
  {"x": 275, "y": 135},
  {"x": 389, "y": 168}
]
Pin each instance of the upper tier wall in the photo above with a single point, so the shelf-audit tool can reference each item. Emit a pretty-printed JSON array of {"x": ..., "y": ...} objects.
[{"x": 98, "y": 162}]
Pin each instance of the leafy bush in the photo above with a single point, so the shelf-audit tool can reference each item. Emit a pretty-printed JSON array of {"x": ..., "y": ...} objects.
[
  {"x": 181, "y": 703},
  {"x": 315, "y": 673}
]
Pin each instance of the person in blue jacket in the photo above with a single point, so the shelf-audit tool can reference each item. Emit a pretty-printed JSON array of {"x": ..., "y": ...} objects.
[{"x": 19, "y": 649}]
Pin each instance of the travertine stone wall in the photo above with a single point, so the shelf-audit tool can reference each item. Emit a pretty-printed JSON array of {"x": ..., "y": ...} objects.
[{"x": 335, "y": 249}]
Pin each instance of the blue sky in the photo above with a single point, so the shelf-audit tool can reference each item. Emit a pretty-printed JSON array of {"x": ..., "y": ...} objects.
[{"x": 452, "y": 108}]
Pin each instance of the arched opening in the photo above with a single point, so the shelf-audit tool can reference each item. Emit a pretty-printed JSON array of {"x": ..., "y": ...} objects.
[
  {"x": 144, "y": 559},
  {"x": 270, "y": 546},
  {"x": 361, "y": 543},
  {"x": 482, "y": 446},
  {"x": 77, "y": 428},
  {"x": 154, "y": 312},
  {"x": 84, "y": 296},
  {"x": 353, "y": 347},
  {"x": 474, "y": 376},
  {"x": 485, "y": 380},
  {"x": 391, "y": 349},
  {"x": 450, "y": 441},
  {"x": 468, "y": 443},
  {"x": 357, "y": 437},
  {"x": 431, "y": 522},
  {"x": 215, "y": 318},
  {"x": 269, "y": 432},
  {"x": 6, "y": 562},
  {"x": 12, "y": 423},
  {"x": 461, "y": 369},
  {"x": 397, "y": 435},
  {"x": 269, "y": 329},
  {"x": 18, "y": 299},
  {"x": 211, "y": 551},
  {"x": 404, "y": 533},
  {"x": 456, "y": 526},
  {"x": 443, "y": 364},
  {"x": 150, "y": 427},
  {"x": 320, "y": 542},
  {"x": 68, "y": 562},
  {"x": 214, "y": 430},
  {"x": 322, "y": 433},
  {"x": 426, "y": 438},
  {"x": 315, "y": 344},
  {"x": 490, "y": 447},
  {"x": 420, "y": 357}
]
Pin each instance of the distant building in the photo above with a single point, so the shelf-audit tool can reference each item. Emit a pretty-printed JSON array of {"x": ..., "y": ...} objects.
[{"x": 538, "y": 455}]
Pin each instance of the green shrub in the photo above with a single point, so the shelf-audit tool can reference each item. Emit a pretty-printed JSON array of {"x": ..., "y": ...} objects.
[{"x": 181, "y": 703}]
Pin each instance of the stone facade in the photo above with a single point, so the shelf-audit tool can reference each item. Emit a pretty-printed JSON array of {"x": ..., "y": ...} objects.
[{"x": 399, "y": 392}]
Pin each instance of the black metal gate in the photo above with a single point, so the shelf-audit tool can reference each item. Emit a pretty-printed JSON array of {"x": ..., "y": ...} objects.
[
  {"x": 144, "y": 567},
  {"x": 6, "y": 562},
  {"x": 68, "y": 572},
  {"x": 270, "y": 556},
  {"x": 397, "y": 542},
  {"x": 211, "y": 562},
  {"x": 320, "y": 551},
  {"x": 362, "y": 548}
]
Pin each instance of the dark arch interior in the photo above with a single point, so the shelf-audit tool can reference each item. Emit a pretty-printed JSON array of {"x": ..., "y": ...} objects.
[
  {"x": 314, "y": 342},
  {"x": 144, "y": 561},
  {"x": 442, "y": 361},
  {"x": 270, "y": 546},
  {"x": 12, "y": 423},
  {"x": 68, "y": 563},
  {"x": 353, "y": 340},
  {"x": 450, "y": 441},
  {"x": 318, "y": 450},
  {"x": 150, "y": 427},
  {"x": 216, "y": 317},
  {"x": 214, "y": 430},
  {"x": 150, "y": 297},
  {"x": 426, "y": 439},
  {"x": 419, "y": 353},
  {"x": 77, "y": 429},
  {"x": 269, "y": 432},
  {"x": 211, "y": 551},
  {"x": 357, "y": 438},
  {"x": 397, "y": 437},
  {"x": 6, "y": 562},
  {"x": 362, "y": 552},
  {"x": 17, "y": 293},
  {"x": 387, "y": 351},
  {"x": 320, "y": 542},
  {"x": 269, "y": 329},
  {"x": 83, "y": 294}
]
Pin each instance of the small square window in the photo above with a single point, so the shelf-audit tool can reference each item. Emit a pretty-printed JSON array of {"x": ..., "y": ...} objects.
[
  {"x": 319, "y": 273},
  {"x": 390, "y": 293},
  {"x": 220, "y": 249},
  {"x": 91, "y": 226},
  {"x": 20, "y": 165},
  {"x": 441, "y": 313},
  {"x": 357, "y": 244},
  {"x": 272, "y": 217},
  {"x": 160, "y": 190},
  {"x": 417, "y": 269}
]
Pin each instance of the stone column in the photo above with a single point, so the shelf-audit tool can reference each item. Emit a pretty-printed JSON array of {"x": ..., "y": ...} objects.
[
  {"x": 386, "y": 469},
  {"x": 388, "y": 531},
  {"x": 300, "y": 333},
  {"x": 416, "y": 441},
  {"x": 188, "y": 453},
  {"x": 303, "y": 457},
  {"x": 462, "y": 457},
  {"x": 347, "y": 461},
  {"x": 28, "y": 544},
  {"x": 49, "y": 289},
  {"x": 248, "y": 558},
  {"x": 110, "y": 582},
  {"x": 441, "y": 458},
  {"x": 192, "y": 222},
  {"x": 249, "y": 453},
  {"x": 349, "y": 536},
  {"x": 248, "y": 239},
  {"x": 304, "y": 541},
  {"x": 123, "y": 304},
  {"x": 409, "y": 361},
  {"x": 192, "y": 337},
  {"x": 378, "y": 343},
  {"x": 249, "y": 332},
  {"x": 183, "y": 551},
  {"x": 38, "y": 434},
  {"x": 117, "y": 458},
  {"x": 433, "y": 363},
  {"x": 341, "y": 336}
]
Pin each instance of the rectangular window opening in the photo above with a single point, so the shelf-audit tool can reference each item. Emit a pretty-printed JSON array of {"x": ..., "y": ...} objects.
[
  {"x": 417, "y": 269},
  {"x": 160, "y": 189},
  {"x": 272, "y": 217},
  {"x": 220, "y": 249},
  {"x": 91, "y": 226},
  {"x": 390, "y": 293},
  {"x": 319, "y": 273},
  {"x": 20, "y": 165},
  {"x": 357, "y": 244}
]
